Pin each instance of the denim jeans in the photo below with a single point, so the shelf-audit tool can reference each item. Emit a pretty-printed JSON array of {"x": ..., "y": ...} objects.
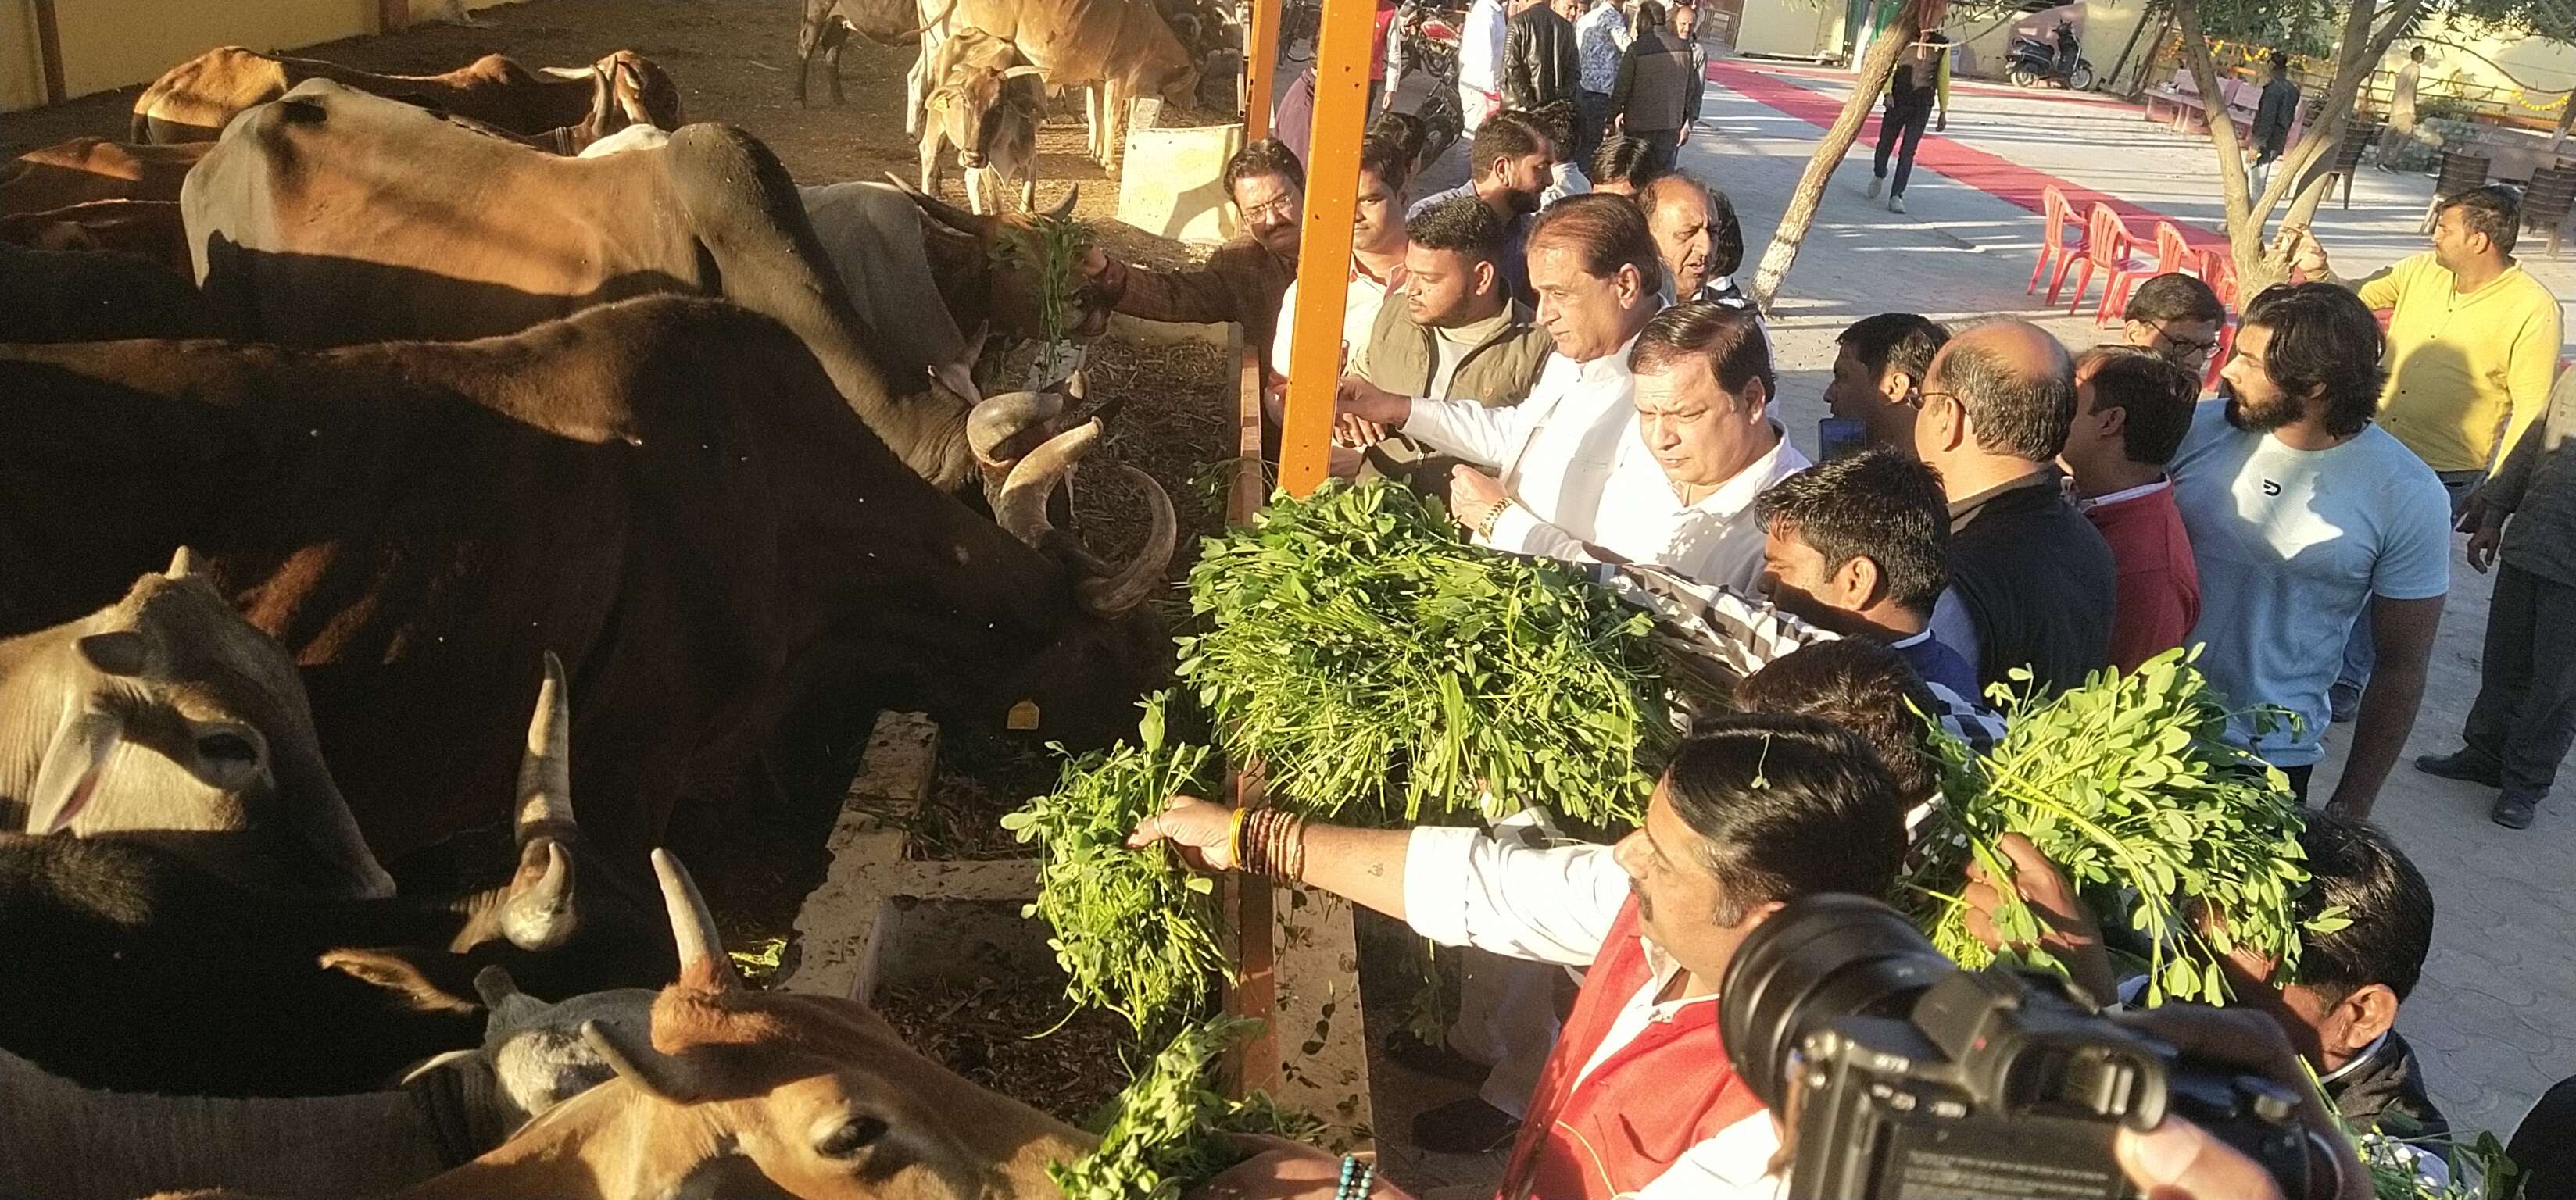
[{"x": 2360, "y": 654}]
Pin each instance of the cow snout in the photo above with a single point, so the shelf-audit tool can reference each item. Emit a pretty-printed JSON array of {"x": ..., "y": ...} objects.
[{"x": 972, "y": 160}]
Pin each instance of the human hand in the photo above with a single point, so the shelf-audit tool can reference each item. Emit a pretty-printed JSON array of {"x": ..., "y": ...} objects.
[
  {"x": 1941, "y": 123},
  {"x": 1682, "y": 138},
  {"x": 1356, "y": 397},
  {"x": 1094, "y": 261},
  {"x": 2306, "y": 253},
  {"x": 2068, "y": 931},
  {"x": 1280, "y": 1169},
  {"x": 1203, "y": 832},
  {"x": 1471, "y": 494},
  {"x": 2474, "y": 513},
  {"x": 2482, "y": 547},
  {"x": 2178, "y": 1161}
]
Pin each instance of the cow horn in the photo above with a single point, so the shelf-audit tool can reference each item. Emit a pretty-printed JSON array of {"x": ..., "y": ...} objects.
[
  {"x": 183, "y": 563},
  {"x": 942, "y": 211},
  {"x": 541, "y": 913},
  {"x": 1064, "y": 207},
  {"x": 1020, "y": 509},
  {"x": 568, "y": 72},
  {"x": 545, "y": 769},
  {"x": 68, "y": 776},
  {"x": 992, "y": 426},
  {"x": 1021, "y": 71},
  {"x": 665, "y": 1077},
  {"x": 693, "y": 929},
  {"x": 1114, "y": 595}
]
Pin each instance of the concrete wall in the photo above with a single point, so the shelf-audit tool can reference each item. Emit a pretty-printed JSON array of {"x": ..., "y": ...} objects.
[
  {"x": 108, "y": 44},
  {"x": 2460, "y": 58},
  {"x": 1789, "y": 28}
]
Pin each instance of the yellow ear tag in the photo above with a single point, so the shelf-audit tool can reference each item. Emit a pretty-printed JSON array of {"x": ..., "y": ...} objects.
[{"x": 1023, "y": 717}]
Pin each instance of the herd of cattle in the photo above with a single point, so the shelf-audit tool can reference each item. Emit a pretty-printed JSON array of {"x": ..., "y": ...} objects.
[{"x": 346, "y": 420}]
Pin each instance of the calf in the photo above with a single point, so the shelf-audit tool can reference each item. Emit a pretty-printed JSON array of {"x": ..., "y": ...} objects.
[{"x": 987, "y": 104}]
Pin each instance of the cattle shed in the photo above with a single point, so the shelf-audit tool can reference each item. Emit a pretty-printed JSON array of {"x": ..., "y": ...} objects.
[{"x": 53, "y": 50}]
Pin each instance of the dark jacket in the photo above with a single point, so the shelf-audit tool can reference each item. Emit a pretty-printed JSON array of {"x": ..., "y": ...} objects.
[
  {"x": 2387, "y": 1080},
  {"x": 1540, "y": 64},
  {"x": 2037, "y": 581},
  {"x": 1656, "y": 90},
  {"x": 2274, "y": 113},
  {"x": 1242, "y": 282}
]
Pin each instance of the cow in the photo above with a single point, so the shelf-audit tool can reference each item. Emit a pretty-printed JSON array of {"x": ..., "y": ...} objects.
[
  {"x": 438, "y": 232},
  {"x": 169, "y": 718},
  {"x": 96, "y": 295},
  {"x": 1119, "y": 50},
  {"x": 94, "y": 168},
  {"x": 776, "y": 1094},
  {"x": 668, "y": 492},
  {"x": 150, "y": 228},
  {"x": 196, "y": 100},
  {"x": 125, "y": 965},
  {"x": 988, "y": 105},
  {"x": 828, "y": 24},
  {"x": 67, "y": 1142}
]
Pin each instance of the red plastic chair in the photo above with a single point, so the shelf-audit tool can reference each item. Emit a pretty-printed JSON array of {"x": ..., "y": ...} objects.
[
  {"x": 2172, "y": 255},
  {"x": 2108, "y": 244},
  {"x": 2053, "y": 244},
  {"x": 2219, "y": 270}
]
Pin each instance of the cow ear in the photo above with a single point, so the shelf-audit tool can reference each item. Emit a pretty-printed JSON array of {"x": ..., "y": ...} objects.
[
  {"x": 122, "y": 652},
  {"x": 183, "y": 563},
  {"x": 417, "y": 975},
  {"x": 68, "y": 776}
]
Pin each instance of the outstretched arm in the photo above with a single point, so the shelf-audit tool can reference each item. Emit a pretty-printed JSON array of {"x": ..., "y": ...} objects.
[
  {"x": 2403, "y": 631},
  {"x": 1363, "y": 866}
]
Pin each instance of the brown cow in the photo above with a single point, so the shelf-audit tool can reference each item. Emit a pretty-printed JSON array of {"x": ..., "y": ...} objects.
[
  {"x": 774, "y": 1094},
  {"x": 828, "y": 24},
  {"x": 1121, "y": 50},
  {"x": 194, "y": 101},
  {"x": 668, "y": 492},
  {"x": 151, "y": 228},
  {"x": 988, "y": 105},
  {"x": 93, "y": 168},
  {"x": 436, "y": 231}
]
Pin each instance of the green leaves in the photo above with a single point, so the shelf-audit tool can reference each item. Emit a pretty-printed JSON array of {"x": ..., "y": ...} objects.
[
  {"x": 1372, "y": 660},
  {"x": 1136, "y": 931},
  {"x": 2126, "y": 784},
  {"x": 1167, "y": 1131}
]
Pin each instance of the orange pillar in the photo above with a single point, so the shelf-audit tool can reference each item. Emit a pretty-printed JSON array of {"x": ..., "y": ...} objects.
[
  {"x": 1260, "y": 64},
  {"x": 1324, "y": 250}
]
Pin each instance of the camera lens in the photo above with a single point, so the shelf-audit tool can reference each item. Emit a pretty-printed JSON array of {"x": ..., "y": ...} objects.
[{"x": 1817, "y": 959}]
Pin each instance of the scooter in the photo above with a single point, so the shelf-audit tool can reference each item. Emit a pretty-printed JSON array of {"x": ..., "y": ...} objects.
[{"x": 2032, "y": 62}]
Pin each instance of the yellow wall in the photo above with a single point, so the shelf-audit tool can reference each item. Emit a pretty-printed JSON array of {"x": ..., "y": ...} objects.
[
  {"x": 1789, "y": 28},
  {"x": 110, "y": 44}
]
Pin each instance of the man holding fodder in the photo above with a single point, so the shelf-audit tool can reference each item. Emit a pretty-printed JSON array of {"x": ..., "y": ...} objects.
[
  {"x": 1594, "y": 267},
  {"x": 1638, "y": 1099},
  {"x": 1860, "y": 546},
  {"x": 2303, "y": 514}
]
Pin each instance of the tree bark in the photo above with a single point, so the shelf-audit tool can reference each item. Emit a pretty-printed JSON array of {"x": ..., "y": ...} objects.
[
  {"x": 2260, "y": 264},
  {"x": 1871, "y": 80}
]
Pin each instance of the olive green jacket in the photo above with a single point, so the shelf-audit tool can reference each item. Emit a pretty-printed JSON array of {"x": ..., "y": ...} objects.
[{"x": 1402, "y": 357}]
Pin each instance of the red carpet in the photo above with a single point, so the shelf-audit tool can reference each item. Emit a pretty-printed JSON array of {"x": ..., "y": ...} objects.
[{"x": 1988, "y": 173}]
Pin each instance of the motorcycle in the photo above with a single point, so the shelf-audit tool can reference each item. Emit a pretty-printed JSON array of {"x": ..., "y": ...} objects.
[
  {"x": 2032, "y": 62},
  {"x": 1431, "y": 47}
]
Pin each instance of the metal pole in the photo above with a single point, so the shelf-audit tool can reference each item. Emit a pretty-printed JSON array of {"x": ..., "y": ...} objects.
[
  {"x": 1260, "y": 62},
  {"x": 49, "y": 49},
  {"x": 1324, "y": 247}
]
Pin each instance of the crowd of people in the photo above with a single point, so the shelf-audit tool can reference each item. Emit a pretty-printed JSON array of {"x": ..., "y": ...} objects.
[{"x": 1557, "y": 350}]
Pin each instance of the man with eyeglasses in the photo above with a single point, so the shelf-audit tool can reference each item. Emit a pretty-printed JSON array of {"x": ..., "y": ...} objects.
[
  {"x": 2031, "y": 581},
  {"x": 2176, "y": 316}
]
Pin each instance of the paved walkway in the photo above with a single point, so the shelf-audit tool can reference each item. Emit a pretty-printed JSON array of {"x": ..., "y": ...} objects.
[{"x": 2493, "y": 1015}]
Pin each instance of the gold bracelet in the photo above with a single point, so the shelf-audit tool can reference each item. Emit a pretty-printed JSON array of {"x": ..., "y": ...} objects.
[
  {"x": 1234, "y": 837},
  {"x": 1485, "y": 528}
]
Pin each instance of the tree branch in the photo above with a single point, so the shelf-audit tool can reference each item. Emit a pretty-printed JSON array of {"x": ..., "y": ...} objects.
[{"x": 1876, "y": 68}]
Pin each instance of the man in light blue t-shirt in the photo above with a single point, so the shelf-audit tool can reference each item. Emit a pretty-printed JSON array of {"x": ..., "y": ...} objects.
[{"x": 2301, "y": 512}]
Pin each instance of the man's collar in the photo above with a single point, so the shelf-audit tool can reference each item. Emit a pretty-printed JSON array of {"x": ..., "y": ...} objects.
[
  {"x": 1963, "y": 507},
  {"x": 2356, "y": 1062},
  {"x": 1613, "y": 365},
  {"x": 1740, "y": 489},
  {"x": 2124, "y": 495}
]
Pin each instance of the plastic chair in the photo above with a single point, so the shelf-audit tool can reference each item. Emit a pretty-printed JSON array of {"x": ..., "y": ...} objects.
[
  {"x": 2172, "y": 255},
  {"x": 2357, "y": 137},
  {"x": 2546, "y": 201},
  {"x": 2108, "y": 244},
  {"x": 2221, "y": 278},
  {"x": 2460, "y": 172},
  {"x": 2052, "y": 241}
]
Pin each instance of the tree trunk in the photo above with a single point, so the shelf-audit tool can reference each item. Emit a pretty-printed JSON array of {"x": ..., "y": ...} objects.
[
  {"x": 1871, "y": 80},
  {"x": 2259, "y": 263},
  {"x": 2156, "y": 13}
]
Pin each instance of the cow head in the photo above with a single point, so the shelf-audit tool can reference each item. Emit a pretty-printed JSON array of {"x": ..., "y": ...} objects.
[
  {"x": 966, "y": 105},
  {"x": 168, "y": 717},
  {"x": 770, "y": 1093},
  {"x": 1014, "y": 250}
]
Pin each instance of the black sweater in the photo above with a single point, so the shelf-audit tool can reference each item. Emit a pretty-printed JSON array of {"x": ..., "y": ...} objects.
[{"x": 2037, "y": 581}]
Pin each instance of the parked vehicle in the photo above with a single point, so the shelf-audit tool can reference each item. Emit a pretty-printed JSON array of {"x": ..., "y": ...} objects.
[{"x": 2033, "y": 63}]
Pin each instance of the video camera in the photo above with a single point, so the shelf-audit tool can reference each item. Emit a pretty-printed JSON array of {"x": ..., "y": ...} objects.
[{"x": 1898, "y": 1074}]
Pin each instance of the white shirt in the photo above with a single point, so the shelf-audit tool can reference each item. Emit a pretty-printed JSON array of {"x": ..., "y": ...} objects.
[
  {"x": 1359, "y": 316},
  {"x": 1556, "y": 450},
  {"x": 1480, "y": 47},
  {"x": 1715, "y": 541},
  {"x": 1462, "y": 888}
]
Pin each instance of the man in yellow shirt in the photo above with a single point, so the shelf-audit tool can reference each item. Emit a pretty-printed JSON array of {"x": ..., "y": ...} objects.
[{"x": 2472, "y": 350}]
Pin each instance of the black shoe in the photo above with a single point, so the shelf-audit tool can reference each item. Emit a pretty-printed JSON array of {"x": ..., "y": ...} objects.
[
  {"x": 2343, "y": 702},
  {"x": 2463, "y": 765},
  {"x": 1468, "y": 1126},
  {"x": 1412, "y": 1053},
  {"x": 2512, "y": 811}
]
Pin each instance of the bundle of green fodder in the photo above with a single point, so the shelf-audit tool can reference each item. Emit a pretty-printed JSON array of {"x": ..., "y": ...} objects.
[
  {"x": 1168, "y": 1130},
  {"x": 2129, "y": 787},
  {"x": 1373, "y": 660}
]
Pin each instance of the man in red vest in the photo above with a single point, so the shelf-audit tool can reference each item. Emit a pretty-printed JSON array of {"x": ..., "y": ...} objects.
[{"x": 1638, "y": 1099}]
